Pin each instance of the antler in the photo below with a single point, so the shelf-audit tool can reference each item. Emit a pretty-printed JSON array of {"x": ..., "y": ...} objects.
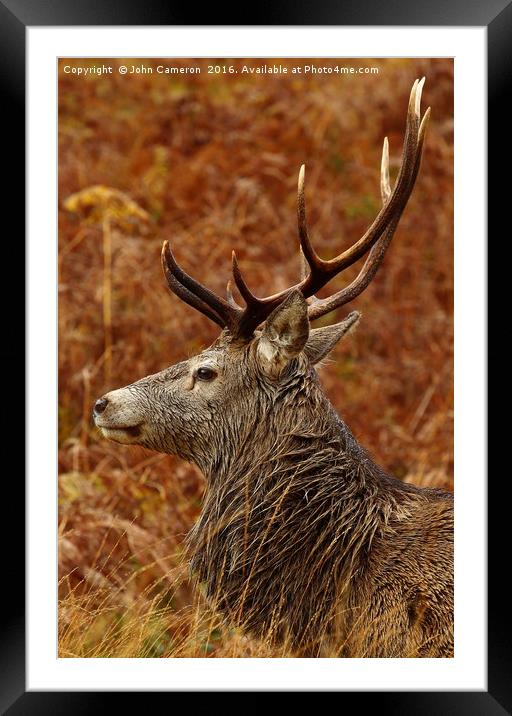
[{"x": 317, "y": 272}]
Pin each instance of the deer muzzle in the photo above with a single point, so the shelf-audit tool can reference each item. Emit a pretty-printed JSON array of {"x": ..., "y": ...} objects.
[{"x": 118, "y": 417}]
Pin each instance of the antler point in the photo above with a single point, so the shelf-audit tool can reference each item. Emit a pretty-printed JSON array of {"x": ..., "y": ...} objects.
[
  {"x": 302, "y": 173},
  {"x": 419, "y": 89}
]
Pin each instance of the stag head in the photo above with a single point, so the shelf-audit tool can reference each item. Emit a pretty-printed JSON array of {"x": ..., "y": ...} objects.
[{"x": 196, "y": 408}]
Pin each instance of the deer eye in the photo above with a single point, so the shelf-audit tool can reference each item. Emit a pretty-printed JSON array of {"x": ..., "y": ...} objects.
[{"x": 205, "y": 373}]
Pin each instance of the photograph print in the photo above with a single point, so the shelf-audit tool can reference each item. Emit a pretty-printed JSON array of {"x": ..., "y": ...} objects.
[{"x": 255, "y": 357}]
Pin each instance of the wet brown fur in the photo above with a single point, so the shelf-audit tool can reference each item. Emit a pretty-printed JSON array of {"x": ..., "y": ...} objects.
[{"x": 306, "y": 539}]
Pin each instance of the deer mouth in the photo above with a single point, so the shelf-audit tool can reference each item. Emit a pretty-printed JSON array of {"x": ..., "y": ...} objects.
[{"x": 121, "y": 433}]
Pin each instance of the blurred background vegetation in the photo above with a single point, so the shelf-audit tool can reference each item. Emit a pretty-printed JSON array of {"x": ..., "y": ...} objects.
[{"x": 211, "y": 161}]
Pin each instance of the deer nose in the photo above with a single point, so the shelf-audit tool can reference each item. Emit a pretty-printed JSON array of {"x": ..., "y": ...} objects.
[{"x": 99, "y": 406}]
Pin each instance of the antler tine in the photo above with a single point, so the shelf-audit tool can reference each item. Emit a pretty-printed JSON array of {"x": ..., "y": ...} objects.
[
  {"x": 399, "y": 196},
  {"x": 378, "y": 251},
  {"x": 385, "y": 188},
  {"x": 309, "y": 260},
  {"x": 249, "y": 298},
  {"x": 230, "y": 298},
  {"x": 192, "y": 300},
  {"x": 311, "y": 264},
  {"x": 257, "y": 309},
  {"x": 374, "y": 259},
  {"x": 304, "y": 268},
  {"x": 195, "y": 294},
  {"x": 314, "y": 261}
]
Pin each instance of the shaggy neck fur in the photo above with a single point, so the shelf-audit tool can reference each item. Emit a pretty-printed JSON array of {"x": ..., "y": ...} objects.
[{"x": 282, "y": 539}]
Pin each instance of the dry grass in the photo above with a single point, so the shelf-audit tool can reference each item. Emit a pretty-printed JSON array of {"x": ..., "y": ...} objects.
[{"x": 212, "y": 162}]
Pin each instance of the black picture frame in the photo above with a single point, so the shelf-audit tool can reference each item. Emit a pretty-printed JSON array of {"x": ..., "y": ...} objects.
[{"x": 15, "y": 17}]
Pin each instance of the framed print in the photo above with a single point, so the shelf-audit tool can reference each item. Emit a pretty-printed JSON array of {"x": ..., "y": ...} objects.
[{"x": 152, "y": 132}]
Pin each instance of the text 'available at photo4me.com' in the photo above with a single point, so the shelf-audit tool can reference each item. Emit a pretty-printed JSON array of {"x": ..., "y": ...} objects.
[{"x": 218, "y": 69}]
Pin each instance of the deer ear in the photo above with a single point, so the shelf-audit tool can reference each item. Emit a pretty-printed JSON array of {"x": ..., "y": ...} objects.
[
  {"x": 285, "y": 334},
  {"x": 322, "y": 340}
]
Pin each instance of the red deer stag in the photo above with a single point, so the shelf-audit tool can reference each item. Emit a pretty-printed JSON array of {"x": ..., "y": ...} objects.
[{"x": 302, "y": 538}]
